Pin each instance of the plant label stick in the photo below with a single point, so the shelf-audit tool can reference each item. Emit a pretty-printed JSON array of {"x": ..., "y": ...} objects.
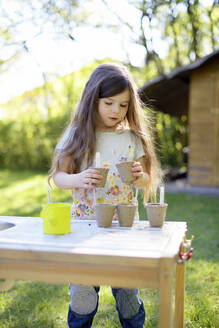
[{"x": 161, "y": 194}]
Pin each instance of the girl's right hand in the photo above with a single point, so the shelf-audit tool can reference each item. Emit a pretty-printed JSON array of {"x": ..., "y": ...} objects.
[{"x": 88, "y": 178}]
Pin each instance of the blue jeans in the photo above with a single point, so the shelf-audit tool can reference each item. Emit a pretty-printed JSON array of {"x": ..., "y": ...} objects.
[{"x": 84, "y": 305}]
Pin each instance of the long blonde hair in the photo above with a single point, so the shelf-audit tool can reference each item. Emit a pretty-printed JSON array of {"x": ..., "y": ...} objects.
[{"x": 108, "y": 80}]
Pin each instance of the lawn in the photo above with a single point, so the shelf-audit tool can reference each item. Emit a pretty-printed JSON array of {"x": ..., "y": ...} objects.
[{"x": 39, "y": 305}]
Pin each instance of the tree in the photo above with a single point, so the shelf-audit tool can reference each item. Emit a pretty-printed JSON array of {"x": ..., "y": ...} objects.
[
  {"x": 187, "y": 27},
  {"x": 24, "y": 20}
]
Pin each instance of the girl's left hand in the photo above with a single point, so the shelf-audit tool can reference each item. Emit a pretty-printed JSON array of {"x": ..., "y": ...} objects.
[{"x": 140, "y": 176}]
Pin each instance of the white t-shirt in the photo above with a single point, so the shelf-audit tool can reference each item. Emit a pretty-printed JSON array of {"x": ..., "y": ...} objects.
[{"x": 113, "y": 148}]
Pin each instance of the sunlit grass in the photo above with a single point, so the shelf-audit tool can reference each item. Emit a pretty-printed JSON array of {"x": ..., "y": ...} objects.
[
  {"x": 24, "y": 193},
  {"x": 34, "y": 305}
]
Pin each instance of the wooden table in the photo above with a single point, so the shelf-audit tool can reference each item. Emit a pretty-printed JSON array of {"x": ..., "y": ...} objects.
[{"x": 140, "y": 256}]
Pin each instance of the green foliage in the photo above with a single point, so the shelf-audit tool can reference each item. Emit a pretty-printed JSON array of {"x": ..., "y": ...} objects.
[
  {"x": 30, "y": 304},
  {"x": 29, "y": 143},
  {"x": 172, "y": 139}
]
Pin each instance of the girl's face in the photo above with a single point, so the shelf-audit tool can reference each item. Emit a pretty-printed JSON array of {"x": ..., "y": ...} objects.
[{"x": 112, "y": 110}]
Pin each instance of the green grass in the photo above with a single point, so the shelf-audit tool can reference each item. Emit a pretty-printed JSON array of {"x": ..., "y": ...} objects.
[{"x": 39, "y": 305}]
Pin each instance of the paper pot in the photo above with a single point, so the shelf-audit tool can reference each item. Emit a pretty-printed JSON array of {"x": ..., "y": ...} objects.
[
  {"x": 104, "y": 172},
  {"x": 156, "y": 213},
  {"x": 56, "y": 218},
  {"x": 125, "y": 172},
  {"x": 126, "y": 214},
  {"x": 104, "y": 214}
]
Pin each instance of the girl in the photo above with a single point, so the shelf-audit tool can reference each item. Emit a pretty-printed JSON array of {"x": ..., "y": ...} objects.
[{"x": 109, "y": 119}]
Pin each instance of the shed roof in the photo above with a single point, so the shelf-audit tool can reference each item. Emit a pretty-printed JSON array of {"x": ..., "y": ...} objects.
[{"x": 170, "y": 93}]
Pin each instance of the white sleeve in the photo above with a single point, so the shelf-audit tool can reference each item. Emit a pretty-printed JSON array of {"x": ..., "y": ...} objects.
[{"x": 63, "y": 141}]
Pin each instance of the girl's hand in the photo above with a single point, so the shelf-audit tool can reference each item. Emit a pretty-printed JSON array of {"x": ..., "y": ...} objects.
[
  {"x": 88, "y": 179},
  {"x": 141, "y": 177}
]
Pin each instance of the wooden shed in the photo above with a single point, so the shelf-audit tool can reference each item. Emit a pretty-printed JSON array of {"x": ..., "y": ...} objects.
[{"x": 193, "y": 90}]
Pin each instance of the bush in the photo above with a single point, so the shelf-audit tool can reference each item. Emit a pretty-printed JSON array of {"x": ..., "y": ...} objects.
[
  {"x": 172, "y": 138},
  {"x": 29, "y": 144}
]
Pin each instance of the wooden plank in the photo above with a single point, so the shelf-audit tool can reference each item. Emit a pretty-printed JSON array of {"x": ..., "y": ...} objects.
[
  {"x": 199, "y": 182},
  {"x": 193, "y": 162},
  {"x": 197, "y": 131},
  {"x": 199, "y": 146},
  {"x": 199, "y": 136},
  {"x": 203, "y": 154},
  {"x": 200, "y": 139},
  {"x": 59, "y": 257},
  {"x": 198, "y": 124},
  {"x": 200, "y": 172},
  {"x": 200, "y": 115},
  {"x": 197, "y": 174},
  {"x": 197, "y": 161},
  {"x": 197, "y": 121},
  {"x": 130, "y": 277}
]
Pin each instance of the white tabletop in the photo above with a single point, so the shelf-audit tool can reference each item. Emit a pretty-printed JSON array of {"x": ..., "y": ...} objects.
[{"x": 140, "y": 241}]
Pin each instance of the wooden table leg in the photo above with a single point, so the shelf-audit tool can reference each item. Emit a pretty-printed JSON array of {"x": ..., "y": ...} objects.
[
  {"x": 179, "y": 295},
  {"x": 166, "y": 282}
]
